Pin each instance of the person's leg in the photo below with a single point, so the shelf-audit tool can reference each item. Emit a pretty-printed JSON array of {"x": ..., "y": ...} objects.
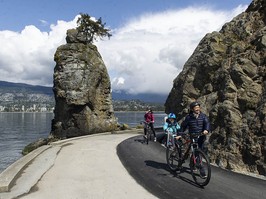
[
  {"x": 201, "y": 146},
  {"x": 145, "y": 131},
  {"x": 201, "y": 142},
  {"x": 164, "y": 140},
  {"x": 153, "y": 130}
]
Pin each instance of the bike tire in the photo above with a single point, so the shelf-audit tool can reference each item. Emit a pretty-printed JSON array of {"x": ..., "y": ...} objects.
[
  {"x": 147, "y": 138},
  {"x": 151, "y": 136},
  {"x": 173, "y": 158},
  {"x": 197, "y": 164}
]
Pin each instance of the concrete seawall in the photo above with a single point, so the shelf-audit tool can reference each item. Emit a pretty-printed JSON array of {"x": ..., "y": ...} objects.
[{"x": 73, "y": 168}]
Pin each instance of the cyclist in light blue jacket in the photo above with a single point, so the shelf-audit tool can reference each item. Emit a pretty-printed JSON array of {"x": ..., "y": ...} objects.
[{"x": 171, "y": 126}]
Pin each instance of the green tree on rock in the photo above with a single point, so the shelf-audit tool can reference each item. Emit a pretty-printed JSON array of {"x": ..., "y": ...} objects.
[{"x": 91, "y": 28}]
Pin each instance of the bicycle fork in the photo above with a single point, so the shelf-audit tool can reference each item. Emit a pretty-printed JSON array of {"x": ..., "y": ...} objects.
[{"x": 195, "y": 158}]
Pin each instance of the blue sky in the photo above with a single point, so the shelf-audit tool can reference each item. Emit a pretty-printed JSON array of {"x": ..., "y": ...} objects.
[{"x": 152, "y": 39}]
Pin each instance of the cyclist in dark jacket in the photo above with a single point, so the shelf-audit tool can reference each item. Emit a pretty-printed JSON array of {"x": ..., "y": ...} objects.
[{"x": 197, "y": 122}]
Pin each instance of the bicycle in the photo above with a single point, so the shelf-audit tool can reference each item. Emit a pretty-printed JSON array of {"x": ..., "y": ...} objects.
[
  {"x": 149, "y": 132},
  {"x": 180, "y": 151}
]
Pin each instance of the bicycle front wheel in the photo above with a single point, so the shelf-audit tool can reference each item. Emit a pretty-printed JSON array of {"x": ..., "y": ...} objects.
[
  {"x": 173, "y": 158},
  {"x": 147, "y": 139},
  {"x": 200, "y": 167}
]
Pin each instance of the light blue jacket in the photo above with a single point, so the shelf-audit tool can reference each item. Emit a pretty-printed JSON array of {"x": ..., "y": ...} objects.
[{"x": 171, "y": 127}]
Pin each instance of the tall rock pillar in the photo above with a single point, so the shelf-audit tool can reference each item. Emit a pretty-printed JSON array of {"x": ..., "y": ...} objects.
[{"x": 82, "y": 90}]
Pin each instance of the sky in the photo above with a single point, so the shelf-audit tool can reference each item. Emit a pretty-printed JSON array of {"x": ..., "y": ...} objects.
[{"x": 151, "y": 39}]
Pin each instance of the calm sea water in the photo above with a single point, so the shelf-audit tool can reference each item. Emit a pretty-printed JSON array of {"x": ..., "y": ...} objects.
[{"x": 19, "y": 129}]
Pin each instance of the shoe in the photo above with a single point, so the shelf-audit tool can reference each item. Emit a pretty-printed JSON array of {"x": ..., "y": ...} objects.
[
  {"x": 155, "y": 139},
  {"x": 202, "y": 173},
  {"x": 145, "y": 136},
  {"x": 163, "y": 145}
]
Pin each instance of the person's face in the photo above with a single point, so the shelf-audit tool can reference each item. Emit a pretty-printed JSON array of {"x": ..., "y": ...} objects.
[
  {"x": 171, "y": 120},
  {"x": 196, "y": 109}
]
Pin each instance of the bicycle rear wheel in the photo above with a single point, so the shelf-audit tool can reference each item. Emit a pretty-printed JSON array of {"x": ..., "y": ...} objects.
[
  {"x": 200, "y": 168},
  {"x": 173, "y": 158}
]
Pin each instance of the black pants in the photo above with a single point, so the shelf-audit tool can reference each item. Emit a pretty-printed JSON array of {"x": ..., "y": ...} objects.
[
  {"x": 201, "y": 142},
  {"x": 152, "y": 128}
]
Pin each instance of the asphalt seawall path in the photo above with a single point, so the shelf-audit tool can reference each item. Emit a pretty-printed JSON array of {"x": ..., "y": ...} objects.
[{"x": 80, "y": 168}]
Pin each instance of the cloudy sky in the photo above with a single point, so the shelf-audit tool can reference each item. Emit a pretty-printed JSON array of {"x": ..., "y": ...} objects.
[{"x": 152, "y": 39}]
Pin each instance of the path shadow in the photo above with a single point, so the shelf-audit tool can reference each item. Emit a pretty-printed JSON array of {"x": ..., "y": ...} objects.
[
  {"x": 177, "y": 174},
  {"x": 141, "y": 140}
]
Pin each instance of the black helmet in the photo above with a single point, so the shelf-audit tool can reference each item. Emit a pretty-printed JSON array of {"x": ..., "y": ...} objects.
[{"x": 193, "y": 104}]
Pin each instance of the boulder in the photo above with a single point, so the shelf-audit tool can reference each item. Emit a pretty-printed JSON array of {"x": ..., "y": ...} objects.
[{"x": 226, "y": 73}]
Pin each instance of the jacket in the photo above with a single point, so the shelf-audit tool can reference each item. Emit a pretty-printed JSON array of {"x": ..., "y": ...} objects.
[
  {"x": 195, "y": 125},
  {"x": 148, "y": 117},
  {"x": 172, "y": 127}
]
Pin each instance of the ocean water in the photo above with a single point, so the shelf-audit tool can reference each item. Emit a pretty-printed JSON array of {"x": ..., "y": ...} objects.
[{"x": 19, "y": 129}]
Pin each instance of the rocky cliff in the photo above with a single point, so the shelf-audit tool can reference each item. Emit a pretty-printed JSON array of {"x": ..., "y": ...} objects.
[
  {"x": 82, "y": 90},
  {"x": 227, "y": 74}
]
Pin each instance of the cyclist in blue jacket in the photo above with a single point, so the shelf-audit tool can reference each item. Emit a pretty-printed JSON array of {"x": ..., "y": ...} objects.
[{"x": 197, "y": 122}]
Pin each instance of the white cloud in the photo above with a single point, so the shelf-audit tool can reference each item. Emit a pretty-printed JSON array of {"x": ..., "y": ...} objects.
[
  {"x": 27, "y": 56},
  {"x": 144, "y": 56},
  {"x": 150, "y": 51}
]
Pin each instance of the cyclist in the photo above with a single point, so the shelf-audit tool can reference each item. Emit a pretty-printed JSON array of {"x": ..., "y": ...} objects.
[
  {"x": 197, "y": 122},
  {"x": 170, "y": 125},
  {"x": 149, "y": 119}
]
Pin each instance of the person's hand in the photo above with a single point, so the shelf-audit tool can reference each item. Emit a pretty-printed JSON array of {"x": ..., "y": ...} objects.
[
  {"x": 178, "y": 137},
  {"x": 205, "y": 132}
]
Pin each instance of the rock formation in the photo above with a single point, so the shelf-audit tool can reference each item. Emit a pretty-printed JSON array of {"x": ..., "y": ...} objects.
[
  {"x": 227, "y": 74},
  {"x": 82, "y": 90}
]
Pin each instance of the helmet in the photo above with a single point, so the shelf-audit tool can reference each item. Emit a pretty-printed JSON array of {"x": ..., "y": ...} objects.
[
  {"x": 193, "y": 104},
  {"x": 171, "y": 115}
]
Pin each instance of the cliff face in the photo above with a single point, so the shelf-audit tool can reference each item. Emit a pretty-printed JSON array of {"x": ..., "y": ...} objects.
[
  {"x": 227, "y": 74},
  {"x": 82, "y": 90}
]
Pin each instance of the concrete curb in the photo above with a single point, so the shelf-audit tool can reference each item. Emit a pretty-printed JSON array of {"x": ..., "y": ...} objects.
[{"x": 9, "y": 175}]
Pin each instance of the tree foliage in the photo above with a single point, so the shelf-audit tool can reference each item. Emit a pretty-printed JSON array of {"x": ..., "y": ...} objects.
[{"x": 91, "y": 28}]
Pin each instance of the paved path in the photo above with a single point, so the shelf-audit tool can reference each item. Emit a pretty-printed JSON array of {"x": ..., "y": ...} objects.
[
  {"x": 147, "y": 164},
  {"x": 83, "y": 168}
]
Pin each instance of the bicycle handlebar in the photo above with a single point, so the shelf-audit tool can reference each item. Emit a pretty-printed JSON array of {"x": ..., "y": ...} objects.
[
  {"x": 145, "y": 122},
  {"x": 191, "y": 135}
]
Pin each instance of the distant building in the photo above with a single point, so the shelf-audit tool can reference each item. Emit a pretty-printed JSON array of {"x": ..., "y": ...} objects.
[
  {"x": 43, "y": 109},
  {"x": 2, "y": 108}
]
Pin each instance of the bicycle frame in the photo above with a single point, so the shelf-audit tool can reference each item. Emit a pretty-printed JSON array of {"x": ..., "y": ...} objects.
[
  {"x": 191, "y": 144},
  {"x": 196, "y": 160},
  {"x": 170, "y": 139},
  {"x": 199, "y": 163}
]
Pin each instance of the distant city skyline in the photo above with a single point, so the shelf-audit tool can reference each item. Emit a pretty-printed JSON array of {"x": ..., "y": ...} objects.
[{"x": 151, "y": 40}]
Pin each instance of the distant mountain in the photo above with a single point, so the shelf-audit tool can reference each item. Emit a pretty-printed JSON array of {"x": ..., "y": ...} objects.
[
  {"x": 9, "y": 87},
  {"x": 153, "y": 98}
]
